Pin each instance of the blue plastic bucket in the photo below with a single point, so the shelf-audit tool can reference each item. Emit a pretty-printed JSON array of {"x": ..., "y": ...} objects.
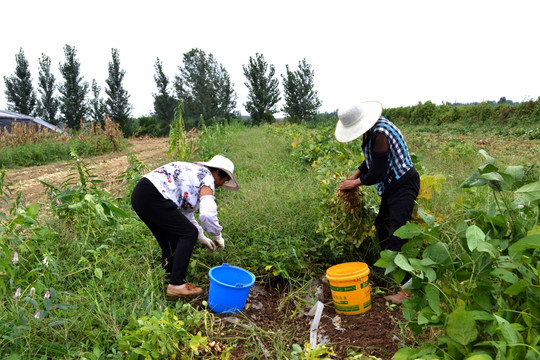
[{"x": 229, "y": 288}]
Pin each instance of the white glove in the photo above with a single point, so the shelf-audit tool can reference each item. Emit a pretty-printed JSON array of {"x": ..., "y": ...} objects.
[
  {"x": 219, "y": 241},
  {"x": 210, "y": 247}
]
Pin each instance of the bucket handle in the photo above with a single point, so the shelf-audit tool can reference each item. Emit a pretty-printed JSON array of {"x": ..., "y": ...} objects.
[{"x": 237, "y": 284}]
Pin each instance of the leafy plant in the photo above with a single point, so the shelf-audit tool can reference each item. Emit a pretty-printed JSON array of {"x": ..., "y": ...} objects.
[
  {"x": 180, "y": 146},
  {"x": 164, "y": 336},
  {"x": 477, "y": 284},
  {"x": 132, "y": 174},
  {"x": 79, "y": 197},
  {"x": 344, "y": 227},
  {"x": 308, "y": 353}
]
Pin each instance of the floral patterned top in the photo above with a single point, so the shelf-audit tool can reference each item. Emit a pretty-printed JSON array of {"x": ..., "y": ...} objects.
[{"x": 181, "y": 182}]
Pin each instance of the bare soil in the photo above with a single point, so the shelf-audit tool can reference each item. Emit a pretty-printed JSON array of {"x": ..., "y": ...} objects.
[
  {"x": 108, "y": 167},
  {"x": 375, "y": 332}
]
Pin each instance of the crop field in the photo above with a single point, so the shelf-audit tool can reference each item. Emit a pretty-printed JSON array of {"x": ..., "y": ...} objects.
[{"x": 80, "y": 274}]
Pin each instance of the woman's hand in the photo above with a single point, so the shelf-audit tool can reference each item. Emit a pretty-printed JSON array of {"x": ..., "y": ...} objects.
[
  {"x": 349, "y": 184},
  {"x": 219, "y": 242},
  {"x": 210, "y": 247}
]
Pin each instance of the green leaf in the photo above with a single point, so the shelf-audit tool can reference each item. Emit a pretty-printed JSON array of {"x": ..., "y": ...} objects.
[
  {"x": 437, "y": 252},
  {"x": 517, "y": 172},
  {"x": 510, "y": 335},
  {"x": 390, "y": 268},
  {"x": 32, "y": 210},
  {"x": 430, "y": 274},
  {"x": 505, "y": 275},
  {"x": 425, "y": 270},
  {"x": 492, "y": 176},
  {"x": 403, "y": 354},
  {"x": 479, "y": 357},
  {"x": 518, "y": 287},
  {"x": 483, "y": 299},
  {"x": 472, "y": 181},
  {"x": 381, "y": 263},
  {"x": 402, "y": 262},
  {"x": 475, "y": 236},
  {"x": 529, "y": 192},
  {"x": 408, "y": 231},
  {"x": 98, "y": 272},
  {"x": 461, "y": 327},
  {"x": 487, "y": 168},
  {"x": 100, "y": 211},
  {"x": 422, "y": 319},
  {"x": 427, "y": 262},
  {"x": 433, "y": 298},
  {"x": 488, "y": 248},
  {"x": 116, "y": 211},
  {"x": 508, "y": 181},
  {"x": 528, "y": 242},
  {"x": 489, "y": 159},
  {"x": 31, "y": 301},
  {"x": 428, "y": 218},
  {"x": 386, "y": 257},
  {"x": 481, "y": 315}
]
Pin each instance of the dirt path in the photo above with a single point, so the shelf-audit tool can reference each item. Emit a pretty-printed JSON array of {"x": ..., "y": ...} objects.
[{"x": 150, "y": 151}]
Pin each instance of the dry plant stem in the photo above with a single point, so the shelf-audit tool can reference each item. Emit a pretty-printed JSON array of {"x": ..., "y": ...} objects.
[
  {"x": 32, "y": 134},
  {"x": 350, "y": 197}
]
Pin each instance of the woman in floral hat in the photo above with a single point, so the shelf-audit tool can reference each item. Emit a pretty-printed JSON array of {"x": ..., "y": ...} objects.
[{"x": 166, "y": 199}]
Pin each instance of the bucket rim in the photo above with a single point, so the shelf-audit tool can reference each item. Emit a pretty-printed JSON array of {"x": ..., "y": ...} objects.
[
  {"x": 361, "y": 272},
  {"x": 225, "y": 265}
]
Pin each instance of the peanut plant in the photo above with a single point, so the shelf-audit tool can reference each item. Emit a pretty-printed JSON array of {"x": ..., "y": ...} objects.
[{"x": 475, "y": 282}]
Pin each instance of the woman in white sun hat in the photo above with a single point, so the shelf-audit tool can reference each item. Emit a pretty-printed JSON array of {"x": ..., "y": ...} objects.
[
  {"x": 166, "y": 199},
  {"x": 387, "y": 165}
]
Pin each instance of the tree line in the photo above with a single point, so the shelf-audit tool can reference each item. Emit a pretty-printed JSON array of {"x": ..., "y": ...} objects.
[{"x": 202, "y": 90}]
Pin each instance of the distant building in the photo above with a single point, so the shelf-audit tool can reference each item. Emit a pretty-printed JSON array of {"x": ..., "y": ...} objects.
[{"x": 7, "y": 118}]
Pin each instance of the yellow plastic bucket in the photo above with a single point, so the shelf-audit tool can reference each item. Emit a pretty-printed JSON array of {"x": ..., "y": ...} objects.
[{"x": 349, "y": 283}]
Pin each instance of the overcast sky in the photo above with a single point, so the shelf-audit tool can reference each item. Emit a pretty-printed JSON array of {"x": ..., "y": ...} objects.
[{"x": 395, "y": 51}]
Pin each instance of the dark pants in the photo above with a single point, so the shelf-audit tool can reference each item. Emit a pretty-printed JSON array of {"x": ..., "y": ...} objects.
[
  {"x": 175, "y": 234},
  {"x": 397, "y": 204}
]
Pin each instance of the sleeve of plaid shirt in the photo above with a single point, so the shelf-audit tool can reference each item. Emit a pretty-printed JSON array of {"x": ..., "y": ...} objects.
[{"x": 379, "y": 167}]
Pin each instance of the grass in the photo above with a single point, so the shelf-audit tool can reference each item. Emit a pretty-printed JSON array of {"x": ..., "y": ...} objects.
[
  {"x": 456, "y": 156},
  {"x": 104, "y": 274},
  {"x": 273, "y": 211},
  {"x": 25, "y": 146},
  {"x": 101, "y": 275}
]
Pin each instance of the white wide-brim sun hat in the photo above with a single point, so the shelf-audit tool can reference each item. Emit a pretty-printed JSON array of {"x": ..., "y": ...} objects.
[
  {"x": 222, "y": 163},
  {"x": 355, "y": 120}
]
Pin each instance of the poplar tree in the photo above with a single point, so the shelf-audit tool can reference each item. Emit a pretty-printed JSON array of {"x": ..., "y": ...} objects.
[
  {"x": 118, "y": 105},
  {"x": 73, "y": 91},
  {"x": 97, "y": 108},
  {"x": 164, "y": 103},
  {"x": 263, "y": 89},
  {"x": 20, "y": 94},
  {"x": 301, "y": 100},
  {"x": 48, "y": 104},
  {"x": 204, "y": 87}
]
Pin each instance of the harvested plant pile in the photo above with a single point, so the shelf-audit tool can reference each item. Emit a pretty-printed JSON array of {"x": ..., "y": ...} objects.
[{"x": 350, "y": 197}]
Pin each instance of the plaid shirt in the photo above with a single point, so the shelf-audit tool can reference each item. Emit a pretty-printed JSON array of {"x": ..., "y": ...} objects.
[{"x": 399, "y": 160}]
